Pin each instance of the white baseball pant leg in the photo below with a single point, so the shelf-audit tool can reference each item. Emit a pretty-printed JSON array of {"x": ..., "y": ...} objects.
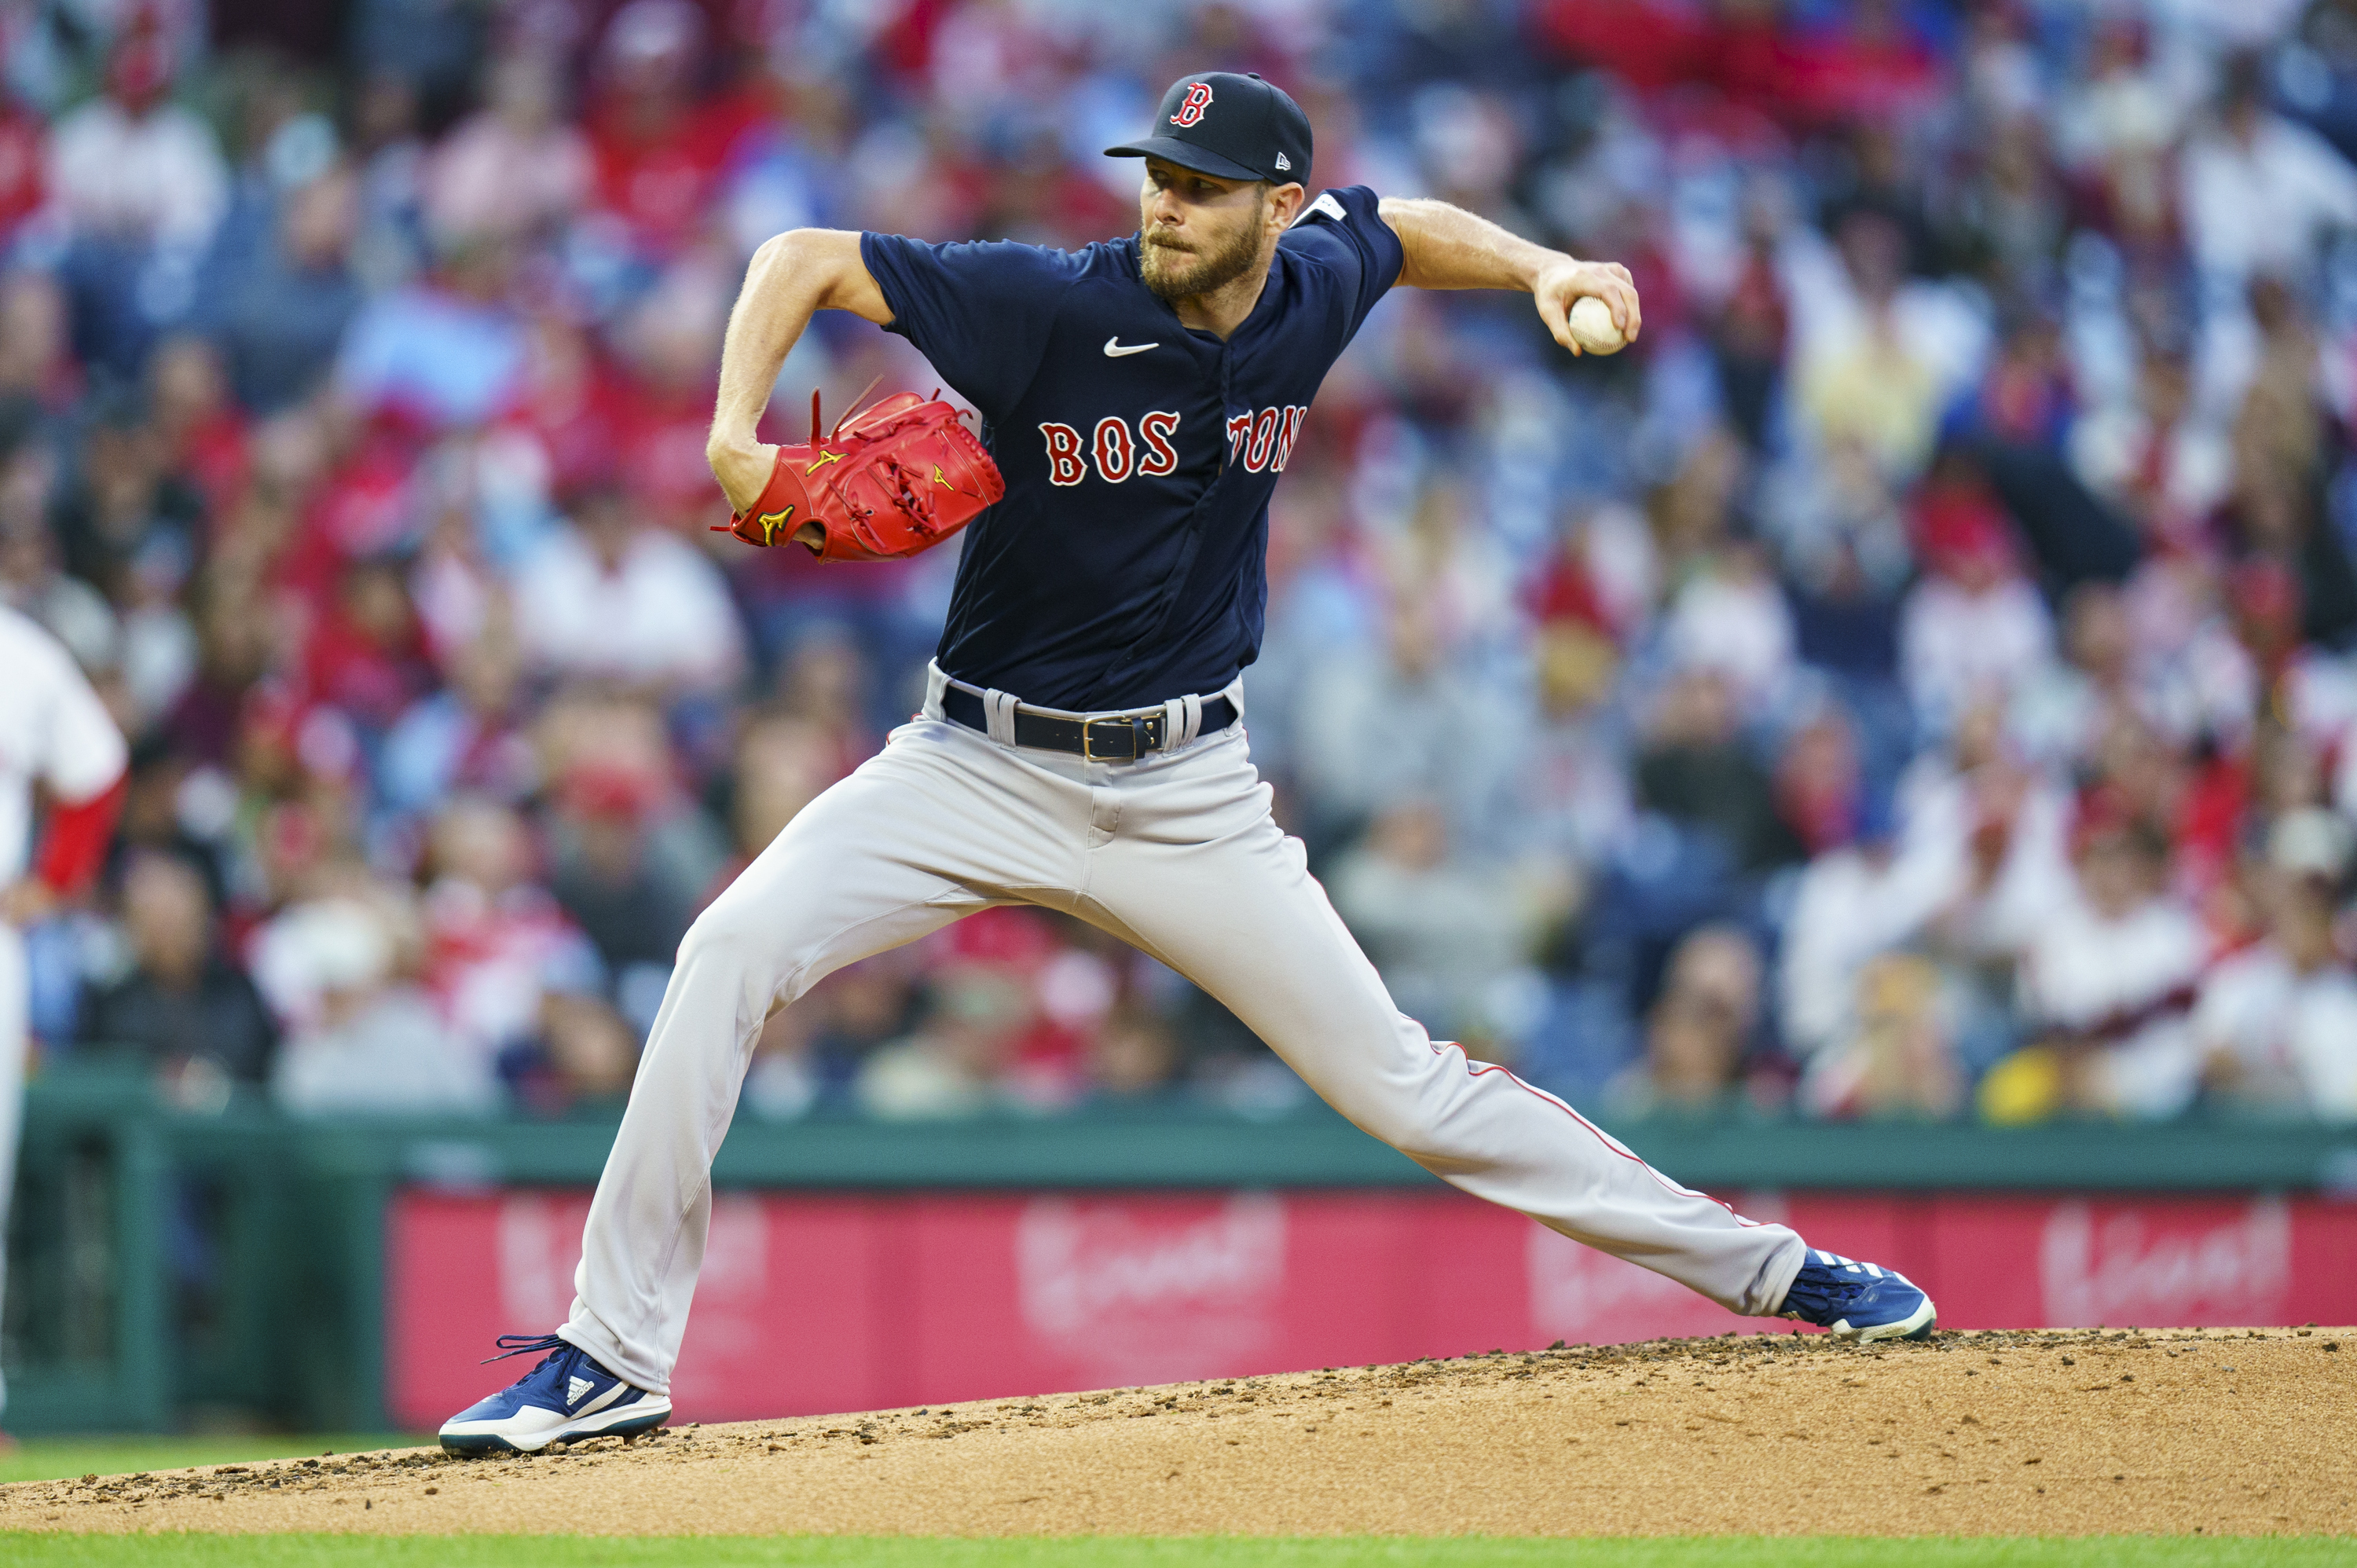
[
  {"x": 16, "y": 1041},
  {"x": 1176, "y": 854}
]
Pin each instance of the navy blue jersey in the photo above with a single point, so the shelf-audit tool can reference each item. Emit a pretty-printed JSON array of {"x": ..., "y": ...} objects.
[{"x": 1127, "y": 564}]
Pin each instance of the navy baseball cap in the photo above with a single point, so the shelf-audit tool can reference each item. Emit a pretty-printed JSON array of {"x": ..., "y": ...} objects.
[{"x": 1230, "y": 126}]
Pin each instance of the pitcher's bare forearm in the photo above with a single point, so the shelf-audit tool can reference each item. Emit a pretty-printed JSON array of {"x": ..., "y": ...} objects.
[
  {"x": 792, "y": 276},
  {"x": 1447, "y": 247}
]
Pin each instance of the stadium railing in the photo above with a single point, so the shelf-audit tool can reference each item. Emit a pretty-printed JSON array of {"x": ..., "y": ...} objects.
[{"x": 170, "y": 1266}]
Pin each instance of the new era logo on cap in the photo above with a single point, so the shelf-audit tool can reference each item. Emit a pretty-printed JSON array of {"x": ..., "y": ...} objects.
[{"x": 1258, "y": 133}]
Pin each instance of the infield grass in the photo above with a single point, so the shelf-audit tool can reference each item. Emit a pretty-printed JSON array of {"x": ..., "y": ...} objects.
[
  {"x": 54, "y": 1458},
  {"x": 1208, "y": 1551}
]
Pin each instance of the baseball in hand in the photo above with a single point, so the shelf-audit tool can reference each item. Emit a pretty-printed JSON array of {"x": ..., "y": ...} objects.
[{"x": 1593, "y": 329}]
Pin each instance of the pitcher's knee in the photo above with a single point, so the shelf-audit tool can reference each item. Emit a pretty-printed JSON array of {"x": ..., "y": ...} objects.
[
  {"x": 731, "y": 941},
  {"x": 1410, "y": 1128},
  {"x": 1421, "y": 1109}
]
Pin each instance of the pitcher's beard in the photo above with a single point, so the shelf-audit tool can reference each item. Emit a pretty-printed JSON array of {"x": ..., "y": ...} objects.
[{"x": 1183, "y": 275}]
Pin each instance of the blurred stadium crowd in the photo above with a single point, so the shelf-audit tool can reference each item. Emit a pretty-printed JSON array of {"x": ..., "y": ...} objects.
[{"x": 1917, "y": 680}]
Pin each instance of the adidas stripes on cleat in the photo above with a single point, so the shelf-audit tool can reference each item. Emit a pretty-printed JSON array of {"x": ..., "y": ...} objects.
[
  {"x": 565, "y": 1398},
  {"x": 1858, "y": 1301}
]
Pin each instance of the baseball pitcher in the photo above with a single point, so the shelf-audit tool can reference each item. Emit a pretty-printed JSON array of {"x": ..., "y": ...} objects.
[{"x": 1082, "y": 744}]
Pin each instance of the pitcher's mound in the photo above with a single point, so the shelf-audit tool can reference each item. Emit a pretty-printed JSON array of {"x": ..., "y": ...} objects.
[{"x": 2221, "y": 1430}]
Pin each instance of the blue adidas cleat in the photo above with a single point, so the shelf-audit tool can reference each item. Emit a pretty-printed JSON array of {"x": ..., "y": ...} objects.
[
  {"x": 1858, "y": 1301},
  {"x": 568, "y": 1397}
]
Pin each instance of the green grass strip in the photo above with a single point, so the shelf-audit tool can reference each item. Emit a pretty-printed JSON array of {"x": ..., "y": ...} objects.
[
  {"x": 1132, "y": 1551},
  {"x": 54, "y": 1458}
]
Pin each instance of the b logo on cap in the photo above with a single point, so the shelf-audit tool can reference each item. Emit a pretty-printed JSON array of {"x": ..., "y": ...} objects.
[{"x": 1198, "y": 98}]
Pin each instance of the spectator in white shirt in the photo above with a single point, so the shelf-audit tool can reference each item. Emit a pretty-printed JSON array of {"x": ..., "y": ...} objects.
[
  {"x": 606, "y": 598},
  {"x": 2109, "y": 974},
  {"x": 2120, "y": 107},
  {"x": 2058, "y": 713},
  {"x": 1975, "y": 625},
  {"x": 1856, "y": 902},
  {"x": 2156, "y": 456},
  {"x": 130, "y": 165},
  {"x": 2276, "y": 1024},
  {"x": 1731, "y": 616},
  {"x": 2260, "y": 193},
  {"x": 363, "y": 1037}
]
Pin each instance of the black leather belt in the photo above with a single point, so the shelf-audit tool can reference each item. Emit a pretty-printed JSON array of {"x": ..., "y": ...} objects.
[{"x": 1123, "y": 738}]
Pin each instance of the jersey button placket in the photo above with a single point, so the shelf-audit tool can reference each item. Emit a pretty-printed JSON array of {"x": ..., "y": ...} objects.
[{"x": 1227, "y": 396}]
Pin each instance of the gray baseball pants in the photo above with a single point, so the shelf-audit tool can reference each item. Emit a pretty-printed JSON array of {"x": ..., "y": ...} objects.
[{"x": 1175, "y": 854}]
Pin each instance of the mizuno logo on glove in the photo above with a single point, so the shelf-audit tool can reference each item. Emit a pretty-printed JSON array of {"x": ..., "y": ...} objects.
[{"x": 886, "y": 481}]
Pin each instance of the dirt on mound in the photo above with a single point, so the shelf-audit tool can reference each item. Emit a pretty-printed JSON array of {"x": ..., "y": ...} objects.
[{"x": 2068, "y": 1433}]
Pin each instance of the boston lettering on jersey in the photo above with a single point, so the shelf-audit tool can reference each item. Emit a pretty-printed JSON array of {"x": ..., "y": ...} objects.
[
  {"x": 1257, "y": 441},
  {"x": 1126, "y": 565}
]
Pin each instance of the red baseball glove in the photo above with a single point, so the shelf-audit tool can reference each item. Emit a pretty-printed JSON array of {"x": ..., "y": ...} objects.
[{"x": 900, "y": 477}]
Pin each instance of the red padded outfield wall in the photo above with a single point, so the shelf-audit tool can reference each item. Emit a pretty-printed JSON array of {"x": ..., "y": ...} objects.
[{"x": 814, "y": 1303}]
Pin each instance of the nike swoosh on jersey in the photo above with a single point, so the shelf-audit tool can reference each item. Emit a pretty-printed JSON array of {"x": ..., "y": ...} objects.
[{"x": 1115, "y": 350}]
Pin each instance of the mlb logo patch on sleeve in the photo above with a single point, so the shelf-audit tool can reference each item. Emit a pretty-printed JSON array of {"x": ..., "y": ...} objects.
[{"x": 1324, "y": 207}]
